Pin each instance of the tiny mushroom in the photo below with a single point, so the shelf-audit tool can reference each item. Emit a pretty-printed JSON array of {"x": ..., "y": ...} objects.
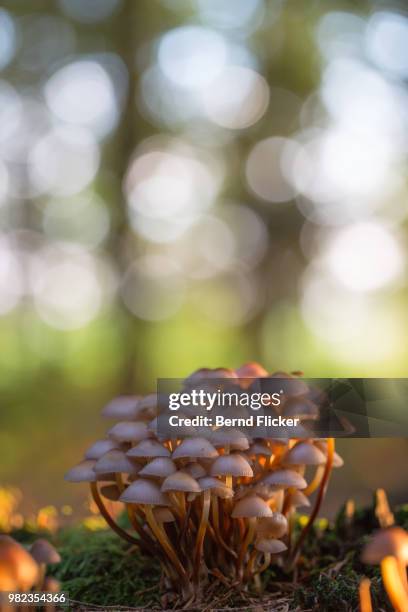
[{"x": 18, "y": 570}]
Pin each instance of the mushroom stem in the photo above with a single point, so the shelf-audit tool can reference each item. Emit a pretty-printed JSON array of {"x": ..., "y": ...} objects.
[
  {"x": 265, "y": 564},
  {"x": 112, "y": 524},
  {"x": 164, "y": 542},
  {"x": 393, "y": 584},
  {"x": 364, "y": 596},
  {"x": 318, "y": 502},
  {"x": 317, "y": 479},
  {"x": 247, "y": 541},
  {"x": 218, "y": 531},
  {"x": 201, "y": 532}
]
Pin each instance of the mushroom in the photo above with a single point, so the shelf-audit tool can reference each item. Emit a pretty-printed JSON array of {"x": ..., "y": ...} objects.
[
  {"x": 160, "y": 467},
  {"x": 45, "y": 554},
  {"x": 389, "y": 548},
  {"x": 18, "y": 570},
  {"x": 122, "y": 407},
  {"x": 99, "y": 448},
  {"x": 285, "y": 479},
  {"x": 250, "y": 508},
  {"x": 195, "y": 448},
  {"x": 129, "y": 431},
  {"x": 148, "y": 494},
  {"x": 148, "y": 448},
  {"x": 230, "y": 466}
]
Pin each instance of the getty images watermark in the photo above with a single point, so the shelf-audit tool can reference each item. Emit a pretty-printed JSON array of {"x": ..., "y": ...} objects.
[{"x": 212, "y": 400}]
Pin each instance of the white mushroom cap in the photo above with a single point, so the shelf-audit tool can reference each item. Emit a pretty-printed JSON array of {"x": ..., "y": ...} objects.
[
  {"x": 304, "y": 453},
  {"x": 195, "y": 469},
  {"x": 122, "y": 407},
  {"x": 219, "y": 488},
  {"x": 259, "y": 448},
  {"x": 231, "y": 465},
  {"x": 390, "y": 541},
  {"x": 44, "y": 552},
  {"x": 115, "y": 462},
  {"x": 274, "y": 526},
  {"x": 300, "y": 407},
  {"x": 99, "y": 448},
  {"x": 233, "y": 438},
  {"x": 251, "y": 506},
  {"x": 148, "y": 448},
  {"x": 160, "y": 467},
  {"x": 83, "y": 472},
  {"x": 285, "y": 479},
  {"x": 271, "y": 546},
  {"x": 299, "y": 499},
  {"x": 337, "y": 460},
  {"x": 143, "y": 491},
  {"x": 129, "y": 431},
  {"x": 180, "y": 481},
  {"x": 192, "y": 448}
]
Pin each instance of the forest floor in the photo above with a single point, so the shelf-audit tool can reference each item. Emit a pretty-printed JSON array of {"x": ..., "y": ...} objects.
[{"x": 100, "y": 572}]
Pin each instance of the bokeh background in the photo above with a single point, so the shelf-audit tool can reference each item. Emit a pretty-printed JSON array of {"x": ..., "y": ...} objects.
[{"x": 189, "y": 183}]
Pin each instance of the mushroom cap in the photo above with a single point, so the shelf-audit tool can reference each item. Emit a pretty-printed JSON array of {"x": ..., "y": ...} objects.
[
  {"x": 163, "y": 515},
  {"x": 115, "y": 462},
  {"x": 251, "y": 506},
  {"x": 270, "y": 545},
  {"x": 300, "y": 407},
  {"x": 259, "y": 448},
  {"x": 148, "y": 448},
  {"x": 274, "y": 526},
  {"x": 337, "y": 460},
  {"x": 304, "y": 453},
  {"x": 180, "y": 481},
  {"x": 390, "y": 541},
  {"x": 285, "y": 479},
  {"x": 44, "y": 552},
  {"x": 299, "y": 499},
  {"x": 83, "y": 472},
  {"x": 219, "y": 488},
  {"x": 16, "y": 564},
  {"x": 233, "y": 438},
  {"x": 129, "y": 431},
  {"x": 143, "y": 491},
  {"x": 252, "y": 369},
  {"x": 231, "y": 465},
  {"x": 160, "y": 467},
  {"x": 110, "y": 492},
  {"x": 122, "y": 407},
  {"x": 195, "y": 469},
  {"x": 99, "y": 448},
  {"x": 193, "y": 448}
]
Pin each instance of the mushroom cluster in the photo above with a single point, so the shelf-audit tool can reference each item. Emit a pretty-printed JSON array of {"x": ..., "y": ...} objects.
[
  {"x": 215, "y": 503},
  {"x": 24, "y": 570},
  {"x": 389, "y": 549}
]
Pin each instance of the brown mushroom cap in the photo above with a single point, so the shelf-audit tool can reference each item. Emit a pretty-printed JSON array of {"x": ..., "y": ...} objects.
[
  {"x": 143, "y": 491},
  {"x": 231, "y": 465},
  {"x": 390, "y": 541},
  {"x": 44, "y": 552},
  {"x": 270, "y": 545},
  {"x": 194, "y": 448},
  {"x": 148, "y": 448},
  {"x": 99, "y": 448},
  {"x": 180, "y": 481},
  {"x": 285, "y": 479},
  {"x": 83, "y": 472},
  {"x": 251, "y": 507},
  {"x": 304, "y": 453},
  {"x": 122, "y": 407},
  {"x": 17, "y": 565},
  {"x": 160, "y": 467},
  {"x": 116, "y": 462},
  {"x": 129, "y": 431}
]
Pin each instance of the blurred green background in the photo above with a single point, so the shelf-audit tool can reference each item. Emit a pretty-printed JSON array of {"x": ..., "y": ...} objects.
[{"x": 188, "y": 183}]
